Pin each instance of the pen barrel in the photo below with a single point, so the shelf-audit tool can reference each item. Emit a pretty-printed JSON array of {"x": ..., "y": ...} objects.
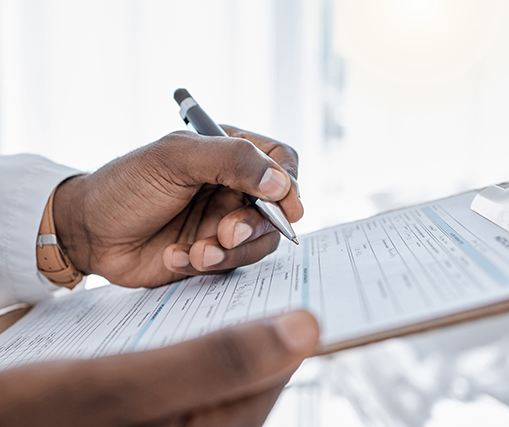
[
  {"x": 273, "y": 213},
  {"x": 202, "y": 123}
]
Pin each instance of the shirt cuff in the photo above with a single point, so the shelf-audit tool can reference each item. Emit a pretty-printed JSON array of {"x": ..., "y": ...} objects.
[{"x": 26, "y": 182}]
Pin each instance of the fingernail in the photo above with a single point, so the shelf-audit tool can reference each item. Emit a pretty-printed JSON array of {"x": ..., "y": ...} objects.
[
  {"x": 212, "y": 255},
  {"x": 274, "y": 184},
  {"x": 297, "y": 331},
  {"x": 180, "y": 259},
  {"x": 241, "y": 232}
]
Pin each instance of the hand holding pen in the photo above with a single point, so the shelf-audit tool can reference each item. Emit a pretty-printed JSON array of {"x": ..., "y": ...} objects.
[
  {"x": 176, "y": 208},
  {"x": 200, "y": 121}
]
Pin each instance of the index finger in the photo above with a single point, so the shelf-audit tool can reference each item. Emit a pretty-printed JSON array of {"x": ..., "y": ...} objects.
[
  {"x": 282, "y": 153},
  {"x": 286, "y": 157}
]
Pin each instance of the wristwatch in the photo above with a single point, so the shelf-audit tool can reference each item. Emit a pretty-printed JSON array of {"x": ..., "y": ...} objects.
[{"x": 52, "y": 262}]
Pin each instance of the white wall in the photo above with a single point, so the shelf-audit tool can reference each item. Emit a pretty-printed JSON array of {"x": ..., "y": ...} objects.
[
  {"x": 84, "y": 81},
  {"x": 423, "y": 108}
]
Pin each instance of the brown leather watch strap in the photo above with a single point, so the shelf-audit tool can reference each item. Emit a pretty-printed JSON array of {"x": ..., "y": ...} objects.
[{"x": 52, "y": 262}]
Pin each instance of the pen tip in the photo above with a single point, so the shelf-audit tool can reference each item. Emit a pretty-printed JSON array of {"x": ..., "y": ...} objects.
[{"x": 295, "y": 240}]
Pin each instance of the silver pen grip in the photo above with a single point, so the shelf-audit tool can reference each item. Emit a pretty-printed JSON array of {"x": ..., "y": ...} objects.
[
  {"x": 272, "y": 212},
  {"x": 194, "y": 115}
]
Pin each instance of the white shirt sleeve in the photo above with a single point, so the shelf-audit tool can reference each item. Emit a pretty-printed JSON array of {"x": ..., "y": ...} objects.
[{"x": 26, "y": 182}]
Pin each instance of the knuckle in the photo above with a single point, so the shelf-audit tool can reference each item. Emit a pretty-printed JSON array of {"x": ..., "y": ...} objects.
[
  {"x": 167, "y": 142},
  {"x": 292, "y": 167},
  {"x": 174, "y": 155},
  {"x": 178, "y": 142},
  {"x": 182, "y": 134},
  {"x": 291, "y": 151},
  {"x": 161, "y": 146},
  {"x": 152, "y": 159},
  {"x": 243, "y": 147},
  {"x": 171, "y": 137}
]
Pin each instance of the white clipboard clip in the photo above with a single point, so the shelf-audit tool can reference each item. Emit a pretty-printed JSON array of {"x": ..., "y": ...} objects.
[{"x": 493, "y": 204}]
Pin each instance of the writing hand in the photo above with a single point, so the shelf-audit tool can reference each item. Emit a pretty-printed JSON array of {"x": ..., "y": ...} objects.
[{"x": 175, "y": 208}]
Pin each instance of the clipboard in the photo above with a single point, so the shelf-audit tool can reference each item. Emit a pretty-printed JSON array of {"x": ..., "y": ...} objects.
[
  {"x": 325, "y": 275},
  {"x": 492, "y": 203},
  {"x": 413, "y": 329}
]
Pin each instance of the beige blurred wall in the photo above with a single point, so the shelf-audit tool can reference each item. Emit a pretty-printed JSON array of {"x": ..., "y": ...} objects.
[{"x": 426, "y": 100}]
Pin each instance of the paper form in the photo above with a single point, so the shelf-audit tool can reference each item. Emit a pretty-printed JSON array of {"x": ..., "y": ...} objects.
[{"x": 390, "y": 270}]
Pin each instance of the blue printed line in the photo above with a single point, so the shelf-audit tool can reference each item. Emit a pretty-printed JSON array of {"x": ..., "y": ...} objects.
[
  {"x": 143, "y": 330},
  {"x": 305, "y": 272},
  {"x": 483, "y": 262}
]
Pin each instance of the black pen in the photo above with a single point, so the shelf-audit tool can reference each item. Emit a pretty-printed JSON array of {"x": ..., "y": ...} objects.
[{"x": 194, "y": 115}]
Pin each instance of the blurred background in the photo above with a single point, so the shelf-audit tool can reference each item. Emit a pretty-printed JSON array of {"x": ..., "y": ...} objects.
[{"x": 388, "y": 102}]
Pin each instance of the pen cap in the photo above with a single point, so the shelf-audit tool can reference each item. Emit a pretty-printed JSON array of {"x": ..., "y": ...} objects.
[
  {"x": 180, "y": 95},
  {"x": 196, "y": 116}
]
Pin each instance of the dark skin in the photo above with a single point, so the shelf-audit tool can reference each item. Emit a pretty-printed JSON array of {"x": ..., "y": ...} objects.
[
  {"x": 172, "y": 209},
  {"x": 229, "y": 378}
]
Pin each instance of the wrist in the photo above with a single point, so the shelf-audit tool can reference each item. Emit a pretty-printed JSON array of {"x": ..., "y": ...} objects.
[{"x": 70, "y": 227}]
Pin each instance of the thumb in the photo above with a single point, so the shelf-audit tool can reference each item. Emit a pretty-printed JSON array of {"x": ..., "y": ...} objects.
[
  {"x": 223, "y": 366},
  {"x": 233, "y": 162}
]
